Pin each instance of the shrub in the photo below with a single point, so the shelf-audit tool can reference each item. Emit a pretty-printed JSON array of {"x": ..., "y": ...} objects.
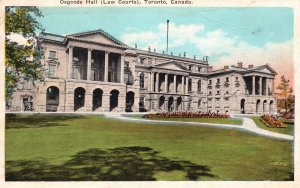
[
  {"x": 198, "y": 114},
  {"x": 271, "y": 121}
]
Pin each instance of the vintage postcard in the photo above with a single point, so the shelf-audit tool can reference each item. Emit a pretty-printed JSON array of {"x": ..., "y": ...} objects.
[{"x": 149, "y": 93}]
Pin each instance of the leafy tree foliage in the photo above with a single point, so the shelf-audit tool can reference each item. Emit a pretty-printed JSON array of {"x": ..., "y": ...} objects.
[
  {"x": 285, "y": 91},
  {"x": 22, "y": 60}
]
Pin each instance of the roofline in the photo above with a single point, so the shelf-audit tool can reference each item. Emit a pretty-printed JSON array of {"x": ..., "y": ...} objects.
[
  {"x": 53, "y": 34},
  {"x": 140, "y": 51}
]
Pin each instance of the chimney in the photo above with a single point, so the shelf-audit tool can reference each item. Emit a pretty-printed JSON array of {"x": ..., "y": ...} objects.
[
  {"x": 184, "y": 54},
  {"x": 135, "y": 45},
  {"x": 149, "y": 49},
  {"x": 209, "y": 68},
  {"x": 240, "y": 64},
  {"x": 194, "y": 57},
  {"x": 226, "y": 67},
  {"x": 250, "y": 66}
]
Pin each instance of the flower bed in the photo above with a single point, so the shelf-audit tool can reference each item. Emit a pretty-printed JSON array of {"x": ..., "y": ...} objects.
[
  {"x": 271, "y": 121},
  {"x": 186, "y": 115}
]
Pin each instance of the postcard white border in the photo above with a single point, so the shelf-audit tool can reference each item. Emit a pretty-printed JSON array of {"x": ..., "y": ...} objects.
[{"x": 295, "y": 4}]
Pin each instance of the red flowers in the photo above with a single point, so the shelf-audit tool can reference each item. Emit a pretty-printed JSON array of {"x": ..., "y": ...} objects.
[
  {"x": 186, "y": 115},
  {"x": 271, "y": 121}
]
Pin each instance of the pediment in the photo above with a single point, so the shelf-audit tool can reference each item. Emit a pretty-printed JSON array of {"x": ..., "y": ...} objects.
[
  {"x": 174, "y": 66},
  {"x": 265, "y": 69},
  {"x": 98, "y": 36}
]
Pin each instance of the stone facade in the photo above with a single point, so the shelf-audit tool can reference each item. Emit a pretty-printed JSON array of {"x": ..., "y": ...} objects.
[{"x": 94, "y": 72}]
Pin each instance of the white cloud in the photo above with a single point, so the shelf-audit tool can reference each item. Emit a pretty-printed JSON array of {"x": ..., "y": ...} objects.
[
  {"x": 180, "y": 35},
  {"x": 16, "y": 37},
  {"x": 215, "y": 42}
]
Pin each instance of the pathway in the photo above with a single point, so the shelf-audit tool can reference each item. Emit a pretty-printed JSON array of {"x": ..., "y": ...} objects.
[{"x": 248, "y": 125}]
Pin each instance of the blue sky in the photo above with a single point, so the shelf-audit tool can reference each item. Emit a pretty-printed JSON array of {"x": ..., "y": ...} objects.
[{"x": 226, "y": 35}]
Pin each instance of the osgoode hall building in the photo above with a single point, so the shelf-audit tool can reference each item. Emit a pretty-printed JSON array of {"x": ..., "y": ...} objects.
[{"x": 94, "y": 72}]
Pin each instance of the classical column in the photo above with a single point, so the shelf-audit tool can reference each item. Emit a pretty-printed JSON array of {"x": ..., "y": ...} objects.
[
  {"x": 175, "y": 105},
  {"x": 175, "y": 85},
  {"x": 182, "y": 84},
  {"x": 122, "y": 69},
  {"x": 70, "y": 63},
  {"x": 273, "y": 87},
  {"x": 89, "y": 65},
  {"x": 267, "y": 86},
  {"x": 152, "y": 81},
  {"x": 253, "y": 85},
  {"x": 149, "y": 81},
  {"x": 260, "y": 85},
  {"x": 106, "y": 67},
  {"x": 166, "y": 83},
  {"x": 157, "y": 82},
  {"x": 187, "y": 85}
]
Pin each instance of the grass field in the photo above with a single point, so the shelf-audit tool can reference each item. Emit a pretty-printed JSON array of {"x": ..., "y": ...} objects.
[
  {"x": 289, "y": 130},
  {"x": 94, "y": 148}
]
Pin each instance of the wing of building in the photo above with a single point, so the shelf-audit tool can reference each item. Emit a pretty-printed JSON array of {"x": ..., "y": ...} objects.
[{"x": 94, "y": 72}]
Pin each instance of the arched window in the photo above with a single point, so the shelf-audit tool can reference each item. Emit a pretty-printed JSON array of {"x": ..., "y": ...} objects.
[
  {"x": 97, "y": 98},
  {"x": 129, "y": 101},
  {"x": 52, "y": 99},
  {"x": 114, "y": 99},
  {"x": 79, "y": 98}
]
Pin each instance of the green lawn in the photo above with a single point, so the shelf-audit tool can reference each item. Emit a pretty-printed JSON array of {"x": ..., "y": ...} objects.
[
  {"x": 95, "y": 148},
  {"x": 289, "y": 130}
]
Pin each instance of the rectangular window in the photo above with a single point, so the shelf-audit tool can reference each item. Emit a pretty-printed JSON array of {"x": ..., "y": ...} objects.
[
  {"x": 209, "y": 81},
  {"x": 218, "y": 80},
  {"x": 236, "y": 78},
  {"x": 52, "y": 54},
  {"x": 218, "y": 92},
  {"x": 141, "y": 102},
  {"x": 227, "y": 79},
  {"x": 51, "y": 71},
  {"x": 199, "y": 103}
]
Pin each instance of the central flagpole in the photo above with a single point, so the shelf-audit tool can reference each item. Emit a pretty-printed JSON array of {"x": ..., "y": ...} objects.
[{"x": 167, "y": 35}]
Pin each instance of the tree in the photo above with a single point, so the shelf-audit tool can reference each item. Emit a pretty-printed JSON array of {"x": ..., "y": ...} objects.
[
  {"x": 22, "y": 60},
  {"x": 285, "y": 91}
]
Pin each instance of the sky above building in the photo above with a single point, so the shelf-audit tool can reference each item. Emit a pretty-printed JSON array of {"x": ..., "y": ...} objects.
[{"x": 227, "y": 35}]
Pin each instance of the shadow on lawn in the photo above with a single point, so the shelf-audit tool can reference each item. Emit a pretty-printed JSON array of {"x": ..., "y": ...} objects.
[
  {"x": 35, "y": 121},
  {"x": 118, "y": 164}
]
